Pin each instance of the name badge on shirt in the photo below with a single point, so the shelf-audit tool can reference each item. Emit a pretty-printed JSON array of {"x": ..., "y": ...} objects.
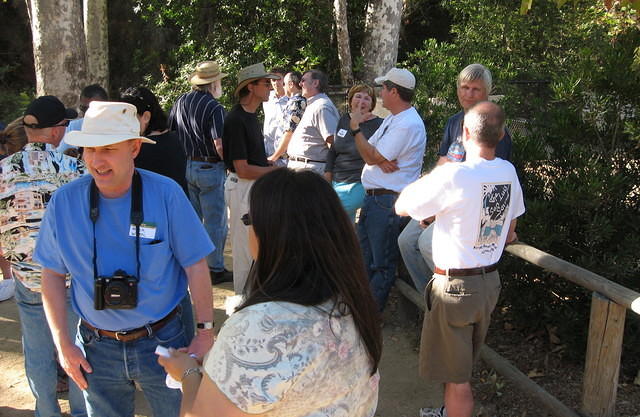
[
  {"x": 342, "y": 132},
  {"x": 147, "y": 230}
]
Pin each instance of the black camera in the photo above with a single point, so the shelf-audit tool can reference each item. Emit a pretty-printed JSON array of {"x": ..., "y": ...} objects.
[{"x": 119, "y": 291}]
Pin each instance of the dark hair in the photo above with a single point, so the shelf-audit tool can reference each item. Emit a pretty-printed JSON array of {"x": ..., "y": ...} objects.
[
  {"x": 94, "y": 91},
  {"x": 145, "y": 100},
  {"x": 323, "y": 83},
  {"x": 308, "y": 252},
  {"x": 278, "y": 70},
  {"x": 244, "y": 91},
  {"x": 295, "y": 77},
  {"x": 405, "y": 94}
]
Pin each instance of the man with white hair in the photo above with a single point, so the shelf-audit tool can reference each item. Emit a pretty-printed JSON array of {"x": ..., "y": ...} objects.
[
  {"x": 475, "y": 204},
  {"x": 198, "y": 118},
  {"x": 474, "y": 84},
  {"x": 132, "y": 244}
]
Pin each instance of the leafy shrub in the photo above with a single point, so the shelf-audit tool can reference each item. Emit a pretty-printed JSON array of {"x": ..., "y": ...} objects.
[{"x": 578, "y": 156}]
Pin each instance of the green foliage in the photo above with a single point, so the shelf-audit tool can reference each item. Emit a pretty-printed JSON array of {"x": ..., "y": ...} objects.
[
  {"x": 295, "y": 35},
  {"x": 578, "y": 154},
  {"x": 13, "y": 103}
]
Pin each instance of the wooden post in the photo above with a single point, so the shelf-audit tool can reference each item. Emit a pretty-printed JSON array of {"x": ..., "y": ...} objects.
[{"x": 604, "y": 347}]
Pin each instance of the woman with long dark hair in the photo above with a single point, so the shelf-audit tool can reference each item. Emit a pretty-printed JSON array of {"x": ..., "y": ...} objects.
[{"x": 306, "y": 340}]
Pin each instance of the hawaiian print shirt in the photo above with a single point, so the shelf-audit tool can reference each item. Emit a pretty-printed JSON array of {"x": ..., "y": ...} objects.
[
  {"x": 289, "y": 360},
  {"x": 293, "y": 112},
  {"x": 27, "y": 180}
]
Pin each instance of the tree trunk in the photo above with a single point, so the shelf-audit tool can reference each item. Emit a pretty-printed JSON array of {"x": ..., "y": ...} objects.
[
  {"x": 97, "y": 40},
  {"x": 342, "y": 36},
  {"x": 59, "y": 51},
  {"x": 382, "y": 32}
]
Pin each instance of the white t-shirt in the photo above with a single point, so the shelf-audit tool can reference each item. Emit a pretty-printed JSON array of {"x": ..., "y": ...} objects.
[
  {"x": 401, "y": 137},
  {"x": 289, "y": 360},
  {"x": 474, "y": 203}
]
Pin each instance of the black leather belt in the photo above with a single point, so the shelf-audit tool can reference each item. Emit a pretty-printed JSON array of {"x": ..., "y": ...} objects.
[
  {"x": 134, "y": 334},
  {"x": 465, "y": 272},
  {"x": 211, "y": 159},
  {"x": 305, "y": 160},
  {"x": 380, "y": 191}
]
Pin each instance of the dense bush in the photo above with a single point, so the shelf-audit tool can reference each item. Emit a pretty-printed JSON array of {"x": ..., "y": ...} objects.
[{"x": 578, "y": 155}]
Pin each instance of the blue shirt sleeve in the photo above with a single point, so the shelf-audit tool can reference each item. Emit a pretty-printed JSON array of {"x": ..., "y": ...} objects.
[
  {"x": 503, "y": 150},
  {"x": 217, "y": 125},
  {"x": 447, "y": 138}
]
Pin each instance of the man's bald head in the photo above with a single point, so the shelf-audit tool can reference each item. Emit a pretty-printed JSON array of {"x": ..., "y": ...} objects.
[{"x": 485, "y": 121}]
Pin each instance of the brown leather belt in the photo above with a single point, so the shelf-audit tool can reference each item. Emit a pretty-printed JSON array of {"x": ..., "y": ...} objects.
[
  {"x": 380, "y": 191},
  {"x": 134, "y": 334},
  {"x": 305, "y": 160},
  {"x": 212, "y": 159},
  {"x": 453, "y": 272}
]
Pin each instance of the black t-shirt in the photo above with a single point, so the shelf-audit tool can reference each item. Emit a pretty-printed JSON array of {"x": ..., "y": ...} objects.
[
  {"x": 166, "y": 158},
  {"x": 242, "y": 139}
]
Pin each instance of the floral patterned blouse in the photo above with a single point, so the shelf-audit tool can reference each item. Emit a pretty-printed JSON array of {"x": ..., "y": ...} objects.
[{"x": 289, "y": 360}]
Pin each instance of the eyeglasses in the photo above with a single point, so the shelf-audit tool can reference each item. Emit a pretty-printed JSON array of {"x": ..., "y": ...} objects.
[
  {"x": 246, "y": 219},
  {"x": 64, "y": 123}
]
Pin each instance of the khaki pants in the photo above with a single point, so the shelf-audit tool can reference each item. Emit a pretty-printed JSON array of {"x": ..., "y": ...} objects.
[
  {"x": 236, "y": 195},
  {"x": 456, "y": 324}
]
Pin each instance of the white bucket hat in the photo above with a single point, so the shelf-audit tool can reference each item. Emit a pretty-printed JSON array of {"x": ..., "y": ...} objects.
[
  {"x": 399, "y": 76},
  {"x": 106, "y": 123}
]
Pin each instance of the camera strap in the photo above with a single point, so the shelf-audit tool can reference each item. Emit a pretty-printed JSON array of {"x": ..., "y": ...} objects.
[{"x": 136, "y": 216}]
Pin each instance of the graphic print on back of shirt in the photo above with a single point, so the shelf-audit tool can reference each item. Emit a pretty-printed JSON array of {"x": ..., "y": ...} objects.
[{"x": 493, "y": 214}]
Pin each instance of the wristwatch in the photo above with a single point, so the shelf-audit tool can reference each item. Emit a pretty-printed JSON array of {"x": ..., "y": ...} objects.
[
  {"x": 354, "y": 132},
  {"x": 206, "y": 325}
]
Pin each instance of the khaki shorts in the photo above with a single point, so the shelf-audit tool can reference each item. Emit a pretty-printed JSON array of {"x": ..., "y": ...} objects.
[{"x": 456, "y": 324}]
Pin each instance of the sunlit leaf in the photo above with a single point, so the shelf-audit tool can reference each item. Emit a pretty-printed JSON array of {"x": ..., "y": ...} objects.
[{"x": 525, "y": 6}]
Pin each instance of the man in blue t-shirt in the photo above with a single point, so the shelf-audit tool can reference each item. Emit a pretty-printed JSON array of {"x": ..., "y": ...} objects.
[
  {"x": 132, "y": 243},
  {"x": 473, "y": 86}
]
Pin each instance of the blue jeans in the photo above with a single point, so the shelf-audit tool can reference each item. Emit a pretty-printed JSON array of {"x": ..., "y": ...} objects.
[
  {"x": 351, "y": 196},
  {"x": 378, "y": 229},
  {"x": 206, "y": 192},
  {"x": 117, "y": 365},
  {"x": 415, "y": 247},
  {"x": 40, "y": 354}
]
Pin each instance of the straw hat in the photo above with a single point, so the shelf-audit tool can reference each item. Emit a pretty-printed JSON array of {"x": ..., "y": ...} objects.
[
  {"x": 106, "y": 123},
  {"x": 252, "y": 73},
  {"x": 206, "y": 72}
]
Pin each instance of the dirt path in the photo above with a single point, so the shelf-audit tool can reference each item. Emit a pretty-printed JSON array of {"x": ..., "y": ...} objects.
[{"x": 401, "y": 392}]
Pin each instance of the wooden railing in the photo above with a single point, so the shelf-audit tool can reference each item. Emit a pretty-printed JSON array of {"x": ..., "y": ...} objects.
[{"x": 604, "y": 345}]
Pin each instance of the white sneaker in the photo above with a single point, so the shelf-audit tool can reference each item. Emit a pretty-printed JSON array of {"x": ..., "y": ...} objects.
[
  {"x": 7, "y": 289},
  {"x": 433, "y": 412}
]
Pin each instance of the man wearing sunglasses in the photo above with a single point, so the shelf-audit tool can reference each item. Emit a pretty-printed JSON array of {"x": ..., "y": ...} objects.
[{"x": 29, "y": 178}]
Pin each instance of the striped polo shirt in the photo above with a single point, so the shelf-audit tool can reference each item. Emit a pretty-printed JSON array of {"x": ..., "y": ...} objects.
[{"x": 198, "y": 118}]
